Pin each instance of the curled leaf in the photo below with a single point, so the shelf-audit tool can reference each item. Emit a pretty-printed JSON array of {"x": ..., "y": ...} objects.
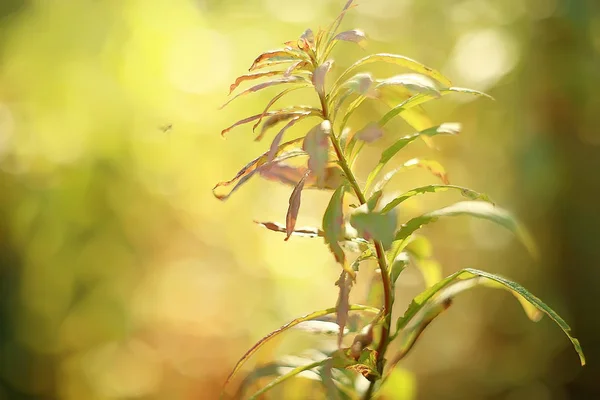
[
  {"x": 276, "y": 56},
  {"x": 305, "y": 231},
  {"x": 343, "y": 303},
  {"x": 294, "y": 207},
  {"x": 355, "y": 35}
]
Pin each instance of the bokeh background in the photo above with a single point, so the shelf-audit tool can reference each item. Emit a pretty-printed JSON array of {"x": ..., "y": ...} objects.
[{"x": 122, "y": 277}]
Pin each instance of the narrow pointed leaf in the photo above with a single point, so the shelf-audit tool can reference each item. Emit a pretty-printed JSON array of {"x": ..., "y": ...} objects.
[
  {"x": 276, "y": 117},
  {"x": 263, "y": 85},
  {"x": 414, "y": 83},
  {"x": 467, "y": 278},
  {"x": 343, "y": 303},
  {"x": 421, "y": 98},
  {"x": 374, "y": 225},
  {"x": 333, "y": 224},
  {"x": 477, "y": 209},
  {"x": 283, "y": 55},
  {"x": 291, "y": 175},
  {"x": 304, "y": 231},
  {"x": 294, "y": 207},
  {"x": 249, "y": 77},
  {"x": 431, "y": 165},
  {"x": 397, "y": 60},
  {"x": 391, "y": 151},
  {"x": 316, "y": 144},
  {"x": 289, "y": 325},
  {"x": 470, "y": 194},
  {"x": 277, "y": 140},
  {"x": 277, "y": 97}
]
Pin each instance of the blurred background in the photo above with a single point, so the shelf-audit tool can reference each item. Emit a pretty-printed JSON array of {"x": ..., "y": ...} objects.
[{"x": 122, "y": 277}]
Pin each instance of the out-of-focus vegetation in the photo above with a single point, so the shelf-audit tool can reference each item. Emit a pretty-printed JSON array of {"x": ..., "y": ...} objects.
[{"x": 122, "y": 277}]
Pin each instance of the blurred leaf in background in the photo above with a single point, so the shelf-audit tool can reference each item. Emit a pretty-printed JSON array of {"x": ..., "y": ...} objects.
[{"x": 122, "y": 277}]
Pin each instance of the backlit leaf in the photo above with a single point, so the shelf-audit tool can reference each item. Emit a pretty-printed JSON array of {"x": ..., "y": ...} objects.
[
  {"x": 249, "y": 77},
  {"x": 318, "y": 78},
  {"x": 398, "y": 384},
  {"x": 294, "y": 207},
  {"x": 277, "y": 140},
  {"x": 470, "y": 194},
  {"x": 291, "y": 324},
  {"x": 373, "y": 225},
  {"x": 304, "y": 231},
  {"x": 370, "y": 133},
  {"x": 448, "y": 128},
  {"x": 298, "y": 65},
  {"x": 355, "y": 35},
  {"x": 477, "y": 209},
  {"x": 263, "y": 85},
  {"x": 291, "y": 175},
  {"x": 277, "y": 97},
  {"x": 333, "y": 224},
  {"x": 284, "y": 55},
  {"x": 431, "y": 165},
  {"x": 397, "y": 60},
  {"x": 467, "y": 278},
  {"x": 413, "y": 83},
  {"x": 276, "y": 117},
  {"x": 316, "y": 144},
  {"x": 343, "y": 303}
]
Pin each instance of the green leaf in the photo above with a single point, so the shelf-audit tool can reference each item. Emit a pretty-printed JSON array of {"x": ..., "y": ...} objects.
[
  {"x": 447, "y": 128},
  {"x": 467, "y": 278},
  {"x": 413, "y": 83},
  {"x": 477, "y": 209},
  {"x": 343, "y": 303},
  {"x": 397, "y": 60},
  {"x": 374, "y": 225},
  {"x": 294, "y": 207},
  {"x": 289, "y": 325},
  {"x": 421, "y": 98},
  {"x": 316, "y": 144},
  {"x": 431, "y": 165},
  {"x": 399, "y": 264},
  {"x": 249, "y": 77},
  {"x": 470, "y": 194},
  {"x": 333, "y": 224}
]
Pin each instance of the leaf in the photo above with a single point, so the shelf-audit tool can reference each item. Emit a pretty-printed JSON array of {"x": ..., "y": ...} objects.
[
  {"x": 287, "y": 150},
  {"x": 398, "y": 265},
  {"x": 374, "y": 225},
  {"x": 249, "y": 77},
  {"x": 343, "y": 303},
  {"x": 277, "y": 140},
  {"x": 298, "y": 65},
  {"x": 291, "y": 175},
  {"x": 282, "y": 55},
  {"x": 307, "y": 40},
  {"x": 316, "y": 144},
  {"x": 333, "y": 224},
  {"x": 306, "y": 231},
  {"x": 278, "y": 114},
  {"x": 421, "y": 98},
  {"x": 442, "y": 291},
  {"x": 285, "y": 115},
  {"x": 477, "y": 209},
  {"x": 274, "y": 99},
  {"x": 294, "y": 207},
  {"x": 447, "y": 128},
  {"x": 318, "y": 78},
  {"x": 470, "y": 194},
  {"x": 308, "y": 317},
  {"x": 397, "y": 60},
  {"x": 370, "y": 133},
  {"x": 263, "y": 85},
  {"x": 355, "y": 35},
  {"x": 336, "y": 23},
  {"x": 433, "y": 166},
  {"x": 287, "y": 376},
  {"x": 413, "y": 82}
]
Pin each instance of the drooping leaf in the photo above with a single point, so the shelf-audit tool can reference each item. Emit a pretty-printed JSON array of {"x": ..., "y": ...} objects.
[
  {"x": 287, "y": 150},
  {"x": 445, "y": 289},
  {"x": 375, "y": 226},
  {"x": 277, "y": 97},
  {"x": 249, "y": 77},
  {"x": 294, "y": 207},
  {"x": 447, "y": 128},
  {"x": 421, "y": 98},
  {"x": 333, "y": 225},
  {"x": 291, "y": 175},
  {"x": 431, "y": 165},
  {"x": 308, "y": 317},
  {"x": 304, "y": 231},
  {"x": 397, "y": 60},
  {"x": 343, "y": 303},
  {"x": 263, "y": 85},
  {"x": 318, "y": 78},
  {"x": 316, "y": 144},
  {"x": 355, "y": 35},
  {"x": 307, "y": 40},
  {"x": 298, "y": 65},
  {"x": 470, "y": 194},
  {"x": 420, "y": 250},
  {"x": 277, "y": 139},
  {"x": 477, "y": 209},
  {"x": 281, "y": 55}
]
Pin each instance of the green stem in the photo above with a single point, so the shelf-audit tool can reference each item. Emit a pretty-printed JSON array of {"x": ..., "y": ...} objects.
[{"x": 381, "y": 260}]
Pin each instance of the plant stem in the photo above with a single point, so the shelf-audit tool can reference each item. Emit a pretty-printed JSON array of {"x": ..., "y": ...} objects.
[{"x": 381, "y": 260}]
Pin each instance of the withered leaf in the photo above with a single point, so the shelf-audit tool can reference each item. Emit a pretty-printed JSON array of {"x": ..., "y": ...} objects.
[
  {"x": 249, "y": 77},
  {"x": 304, "y": 231},
  {"x": 274, "y": 99},
  {"x": 316, "y": 144},
  {"x": 370, "y": 133},
  {"x": 294, "y": 207},
  {"x": 355, "y": 35},
  {"x": 318, "y": 77},
  {"x": 343, "y": 303},
  {"x": 263, "y": 85},
  {"x": 286, "y": 115}
]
